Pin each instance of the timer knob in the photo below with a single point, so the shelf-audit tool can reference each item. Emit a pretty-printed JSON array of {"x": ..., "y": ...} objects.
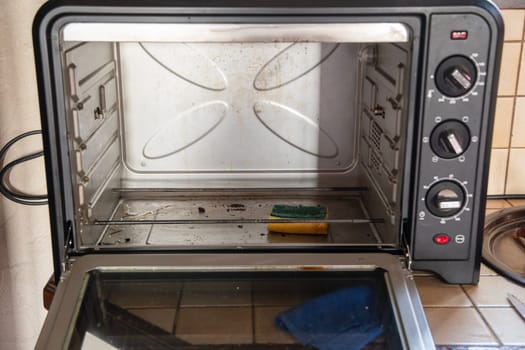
[
  {"x": 445, "y": 198},
  {"x": 455, "y": 76},
  {"x": 450, "y": 139}
]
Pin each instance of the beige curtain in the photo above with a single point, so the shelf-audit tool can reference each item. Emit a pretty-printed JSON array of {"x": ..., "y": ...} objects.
[{"x": 25, "y": 245}]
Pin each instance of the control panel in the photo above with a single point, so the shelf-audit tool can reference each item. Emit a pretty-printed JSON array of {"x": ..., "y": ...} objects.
[{"x": 450, "y": 146}]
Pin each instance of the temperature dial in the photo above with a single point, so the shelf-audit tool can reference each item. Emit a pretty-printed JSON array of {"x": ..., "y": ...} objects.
[
  {"x": 445, "y": 198},
  {"x": 455, "y": 76},
  {"x": 450, "y": 139}
]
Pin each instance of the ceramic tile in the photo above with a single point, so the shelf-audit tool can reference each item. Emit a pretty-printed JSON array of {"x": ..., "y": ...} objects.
[
  {"x": 518, "y": 127},
  {"x": 487, "y": 271},
  {"x": 265, "y": 330},
  {"x": 162, "y": 318},
  {"x": 220, "y": 325},
  {"x": 215, "y": 293},
  {"x": 458, "y": 326},
  {"x": 135, "y": 295},
  {"x": 509, "y": 70},
  {"x": 492, "y": 291},
  {"x": 516, "y": 202},
  {"x": 497, "y": 171},
  {"x": 503, "y": 122},
  {"x": 513, "y": 20},
  {"x": 434, "y": 292},
  {"x": 497, "y": 204},
  {"x": 521, "y": 81},
  {"x": 515, "y": 183},
  {"x": 506, "y": 323}
]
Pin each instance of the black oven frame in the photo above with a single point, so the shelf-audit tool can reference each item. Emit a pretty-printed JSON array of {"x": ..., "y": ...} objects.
[{"x": 46, "y": 39}]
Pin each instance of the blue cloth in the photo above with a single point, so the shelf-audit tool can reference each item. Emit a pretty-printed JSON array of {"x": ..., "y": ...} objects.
[{"x": 346, "y": 319}]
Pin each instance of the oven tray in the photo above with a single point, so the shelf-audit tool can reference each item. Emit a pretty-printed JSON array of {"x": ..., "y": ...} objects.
[
  {"x": 501, "y": 251},
  {"x": 236, "y": 219}
]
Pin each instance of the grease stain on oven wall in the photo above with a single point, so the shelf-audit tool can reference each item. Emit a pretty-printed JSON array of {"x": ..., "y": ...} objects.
[
  {"x": 299, "y": 60},
  {"x": 187, "y": 63}
]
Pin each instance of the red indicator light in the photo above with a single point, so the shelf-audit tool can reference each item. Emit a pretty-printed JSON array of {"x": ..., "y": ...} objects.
[
  {"x": 441, "y": 238},
  {"x": 459, "y": 35}
]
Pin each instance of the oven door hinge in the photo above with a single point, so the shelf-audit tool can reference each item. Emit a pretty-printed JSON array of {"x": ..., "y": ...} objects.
[
  {"x": 68, "y": 246},
  {"x": 406, "y": 249},
  {"x": 408, "y": 256}
]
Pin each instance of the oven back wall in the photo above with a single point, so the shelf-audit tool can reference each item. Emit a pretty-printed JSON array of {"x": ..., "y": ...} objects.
[{"x": 25, "y": 246}]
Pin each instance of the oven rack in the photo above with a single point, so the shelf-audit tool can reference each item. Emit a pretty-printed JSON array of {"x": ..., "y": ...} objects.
[
  {"x": 236, "y": 221},
  {"x": 226, "y": 217}
]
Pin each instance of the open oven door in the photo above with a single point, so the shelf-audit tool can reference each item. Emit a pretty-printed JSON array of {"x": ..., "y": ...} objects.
[{"x": 237, "y": 301}]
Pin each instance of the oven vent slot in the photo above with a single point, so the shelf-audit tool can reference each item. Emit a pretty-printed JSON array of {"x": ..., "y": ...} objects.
[
  {"x": 374, "y": 140},
  {"x": 374, "y": 162},
  {"x": 375, "y": 136}
]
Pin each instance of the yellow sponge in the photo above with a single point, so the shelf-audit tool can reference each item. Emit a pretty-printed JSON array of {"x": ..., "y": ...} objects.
[{"x": 283, "y": 211}]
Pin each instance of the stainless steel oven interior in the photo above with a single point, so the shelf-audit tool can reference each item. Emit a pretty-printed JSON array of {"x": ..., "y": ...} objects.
[{"x": 186, "y": 135}]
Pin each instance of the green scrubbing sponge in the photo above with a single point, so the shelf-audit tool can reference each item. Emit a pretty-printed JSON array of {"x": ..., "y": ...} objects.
[{"x": 283, "y": 211}]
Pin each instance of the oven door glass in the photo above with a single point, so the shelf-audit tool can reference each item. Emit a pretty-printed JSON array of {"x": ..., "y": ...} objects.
[{"x": 250, "y": 305}]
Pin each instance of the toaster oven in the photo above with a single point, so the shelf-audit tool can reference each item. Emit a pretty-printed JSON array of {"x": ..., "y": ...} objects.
[{"x": 173, "y": 130}]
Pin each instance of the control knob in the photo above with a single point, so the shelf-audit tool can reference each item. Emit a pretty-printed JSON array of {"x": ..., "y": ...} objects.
[
  {"x": 445, "y": 198},
  {"x": 450, "y": 139},
  {"x": 455, "y": 76}
]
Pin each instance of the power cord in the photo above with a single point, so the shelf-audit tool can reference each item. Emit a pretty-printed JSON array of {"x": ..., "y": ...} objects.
[{"x": 15, "y": 196}]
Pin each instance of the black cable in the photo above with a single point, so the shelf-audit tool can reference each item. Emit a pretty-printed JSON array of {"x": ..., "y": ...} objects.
[
  {"x": 18, "y": 197},
  {"x": 8, "y": 167},
  {"x": 506, "y": 196}
]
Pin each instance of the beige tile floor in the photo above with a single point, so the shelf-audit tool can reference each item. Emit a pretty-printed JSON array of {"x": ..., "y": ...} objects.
[{"x": 474, "y": 315}]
